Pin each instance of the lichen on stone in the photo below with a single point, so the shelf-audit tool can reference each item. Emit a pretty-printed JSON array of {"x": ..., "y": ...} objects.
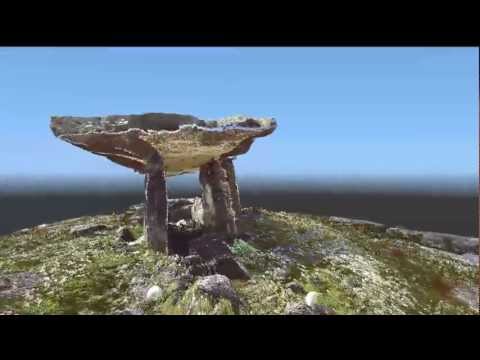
[{"x": 184, "y": 141}]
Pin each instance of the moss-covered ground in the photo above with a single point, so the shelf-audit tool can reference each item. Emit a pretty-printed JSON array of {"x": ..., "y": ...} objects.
[{"x": 355, "y": 270}]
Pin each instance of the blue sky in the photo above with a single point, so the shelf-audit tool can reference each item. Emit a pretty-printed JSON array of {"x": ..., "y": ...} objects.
[{"x": 341, "y": 112}]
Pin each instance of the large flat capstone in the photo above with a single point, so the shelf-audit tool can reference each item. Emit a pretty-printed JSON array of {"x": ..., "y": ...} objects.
[{"x": 184, "y": 141}]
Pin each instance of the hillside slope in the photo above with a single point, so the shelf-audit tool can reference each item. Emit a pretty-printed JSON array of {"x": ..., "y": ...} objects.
[{"x": 354, "y": 267}]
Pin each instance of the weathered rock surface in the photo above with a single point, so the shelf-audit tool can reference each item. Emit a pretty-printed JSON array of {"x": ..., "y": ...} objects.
[
  {"x": 296, "y": 287},
  {"x": 472, "y": 259},
  {"x": 228, "y": 266},
  {"x": 299, "y": 308},
  {"x": 210, "y": 246},
  {"x": 196, "y": 266},
  {"x": 467, "y": 296},
  {"x": 218, "y": 212},
  {"x": 191, "y": 260},
  {"x": 86, "y": 230},
  {"x": 156, "y": 205},
  {"x": 185, "y": 142},
  {"x": 218, "y": 286},
  {"x": 178, "y": 209},
  {"x": 18, "y": 284},
  {"x": 227, "y": 164},
  {"x": 197, "y": 212},
  {"x": 357, "y": 223},
  {"x": 448, "y": 242},
  {"x": 180, "y": 235},
  {"x": 214, "y": 252},
  {"x": 124, "y": 234}
]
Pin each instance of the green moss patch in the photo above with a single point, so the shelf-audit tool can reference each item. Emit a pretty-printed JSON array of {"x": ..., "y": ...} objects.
[{"x": 354, "y": 269}]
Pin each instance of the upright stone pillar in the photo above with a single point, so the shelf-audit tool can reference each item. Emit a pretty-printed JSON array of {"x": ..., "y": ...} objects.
[
  {"x": 218, "y": 213},
  {"x": 156, "y": 206},
  {"x": 227, "y": 164}
]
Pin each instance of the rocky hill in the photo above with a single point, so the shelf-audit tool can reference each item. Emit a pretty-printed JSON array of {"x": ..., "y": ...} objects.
[{"x": 280, "y": 263}]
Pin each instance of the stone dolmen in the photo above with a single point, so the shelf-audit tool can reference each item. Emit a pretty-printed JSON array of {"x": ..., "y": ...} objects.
[{"x": 161, "y": 144}]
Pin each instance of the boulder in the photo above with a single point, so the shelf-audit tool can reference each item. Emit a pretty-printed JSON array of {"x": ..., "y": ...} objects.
[
  {"x": 179, "y": 209},
  {"x": 282, "y": 274},
  {"x": 298, "y": 308},
  {"x": 192, "y": 260},
  {"x": 210, "y": 246},
  {"x": 319, "y": 309},
  {"x": 217, "y": 257},
  {"x": 228, "y": 266},
  {"x": 124, "y": 234},
  {"x": 180, "y": 235},
  {"x": 183, "y": 282},
  {"x": 218, "y": 286},
  {"x": 196, "y": 266}
]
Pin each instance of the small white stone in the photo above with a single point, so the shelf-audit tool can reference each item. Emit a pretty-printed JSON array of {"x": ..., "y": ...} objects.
[
  {"x": 154, "y": 293},
  {"x": 311, "y": 298}
]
